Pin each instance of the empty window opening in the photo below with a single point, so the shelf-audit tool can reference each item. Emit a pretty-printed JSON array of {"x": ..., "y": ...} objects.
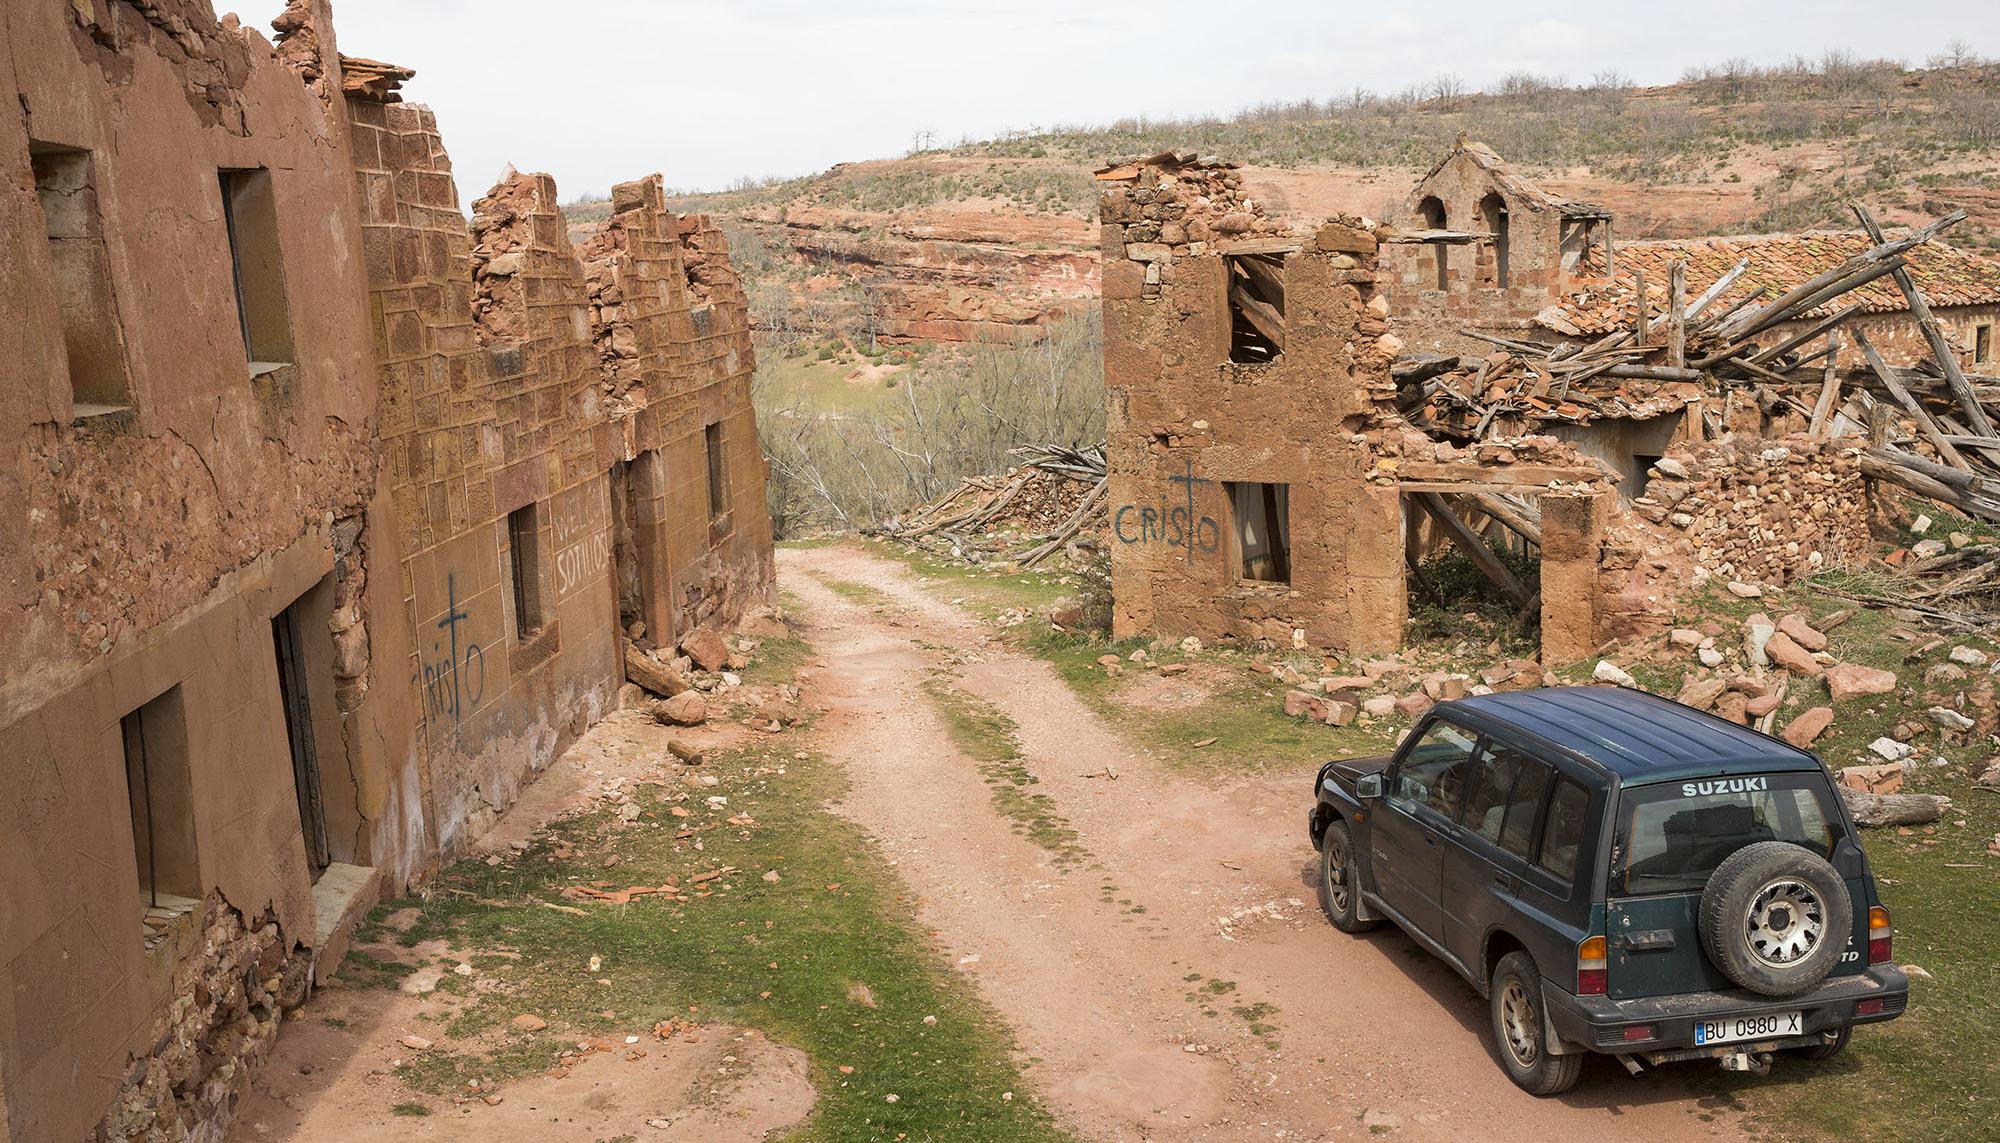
[
  {"x": 250, "y": 214},
  {"x": 1256, "y": 306},
  {"x": 1583, "y": 245},
  {"x": 1263, "y": 531},
  {"x": 92, "y": 340},
  {"x": 718, "y": 471},
  {"x": 1493, "y": 212},
  {"x": 524, "y": 560},
  {"x": 158, "y": 787},
  {"x": 1431, "y": 210},
  {"x": 1982, "y": 344},
  {"x": 288, "y": 635}
]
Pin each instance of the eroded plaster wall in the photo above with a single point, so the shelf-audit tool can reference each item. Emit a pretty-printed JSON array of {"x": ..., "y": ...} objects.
[
  {"x": 1183, "y": 421},
  {"x": 148, "y": 537},
  {"x": 523, "y": 388}
]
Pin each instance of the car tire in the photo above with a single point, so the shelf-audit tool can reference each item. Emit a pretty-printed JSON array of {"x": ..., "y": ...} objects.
[
  {"x": 1775, "y": 918},
  {"x": 1339, "y": 893},
  {"x": 1519, "y": 1030},
  {"x": 1826, "y": 1050}
]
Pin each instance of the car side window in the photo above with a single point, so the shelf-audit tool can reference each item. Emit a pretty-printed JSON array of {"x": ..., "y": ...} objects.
[
  {"x": 1435, "y": 768},
  {"x": 1524, "y": 806},
  {"x": 1486, "y": 802},
  {"x": 1562, "y": 841}
]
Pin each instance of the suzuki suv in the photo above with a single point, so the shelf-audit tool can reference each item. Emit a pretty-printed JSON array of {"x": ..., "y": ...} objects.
[{"x": 1615, "y": 873}]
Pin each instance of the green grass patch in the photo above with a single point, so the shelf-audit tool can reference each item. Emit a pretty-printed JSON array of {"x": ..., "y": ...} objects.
[
  {"x": 778, "y": 661},
  {"x": 411, "y": 1110},
  {"x": 837, "y": 918},
  {"x": 990, "y": 738},
  {"x": 865, "y": 594},
  {"x": 1242, "y": 722}
]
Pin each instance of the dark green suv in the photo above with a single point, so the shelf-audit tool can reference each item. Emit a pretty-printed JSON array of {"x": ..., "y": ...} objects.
[{"x": 1616, "y": 873}]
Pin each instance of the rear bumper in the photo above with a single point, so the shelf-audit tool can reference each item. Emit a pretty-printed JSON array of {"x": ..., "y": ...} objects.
[{"x": 1598, "y": 1023}]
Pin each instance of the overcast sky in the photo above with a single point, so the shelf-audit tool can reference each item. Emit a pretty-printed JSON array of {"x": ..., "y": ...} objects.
[{"x": 597, "y": 91}]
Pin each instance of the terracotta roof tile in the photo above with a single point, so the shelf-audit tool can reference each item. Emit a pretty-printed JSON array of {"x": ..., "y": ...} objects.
[{"x": 1947, "y": 275}]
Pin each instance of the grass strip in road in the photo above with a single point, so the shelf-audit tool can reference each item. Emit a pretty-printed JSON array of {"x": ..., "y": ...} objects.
[{"x": 986, "y": 735}]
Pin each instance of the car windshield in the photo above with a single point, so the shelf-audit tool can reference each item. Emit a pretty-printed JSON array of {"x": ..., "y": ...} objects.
[{"x": 1676, "y": 834}]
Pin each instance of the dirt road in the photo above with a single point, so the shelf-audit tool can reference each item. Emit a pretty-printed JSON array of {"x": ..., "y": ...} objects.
[{"x": 1178, "y": 983}]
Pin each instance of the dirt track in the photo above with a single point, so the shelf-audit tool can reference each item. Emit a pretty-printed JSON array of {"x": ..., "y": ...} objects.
[{"x": 1107, "y": 1000}]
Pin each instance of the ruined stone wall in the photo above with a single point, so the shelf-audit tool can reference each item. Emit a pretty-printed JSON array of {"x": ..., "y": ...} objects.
[
  {"x": 674, "y": 339},
  {"x": 554, "y": 400},
  {"x": 489, "y": 405},
  {"x": 1472, "y": 293},
  {"x": 160, "y": 502},
  {"x": 1182, "y": 421}
]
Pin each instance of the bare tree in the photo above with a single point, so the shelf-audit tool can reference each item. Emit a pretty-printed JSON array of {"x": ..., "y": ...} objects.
[{"x": 1447, "y": 91}]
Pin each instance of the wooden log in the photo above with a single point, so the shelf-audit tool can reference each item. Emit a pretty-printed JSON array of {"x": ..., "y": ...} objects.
[
  {"x": 1264, "y": 277},
  {"x": 1829, "y": 390},
  {"x": 1864, "y": 264},
  {"x": 652, "y": 674},
  {"x": 1961, "y": 389},
  {"x": 1524, "y": 521},
  {"x": 1709, "y": 295},
  {"x": 1807, "y": 334},
  {"x": 1261, "y": 316},
  {"x": 1639, "y": 288},
  {"x": 1872, "y": 811},
  {"x": 1475, "y": 549},
  {"x": 1677, "y": 314},
  {"x": 1925, "y": 424}
]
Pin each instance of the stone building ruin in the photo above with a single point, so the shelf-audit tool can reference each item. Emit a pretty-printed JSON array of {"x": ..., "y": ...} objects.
[
  {"x": 1283, "y": 456},
  {"x": 329, "y": 514}
]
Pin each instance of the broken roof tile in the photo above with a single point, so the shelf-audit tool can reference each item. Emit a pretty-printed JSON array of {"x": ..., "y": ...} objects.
[{"x": 1947, "y": 275}]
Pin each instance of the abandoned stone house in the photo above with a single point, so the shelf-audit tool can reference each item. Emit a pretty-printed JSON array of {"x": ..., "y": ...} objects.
[
  {"x": 1502, "y": 252},
  {"x": 1278, "y": 471},
  {"x": 326, "y": 513}
]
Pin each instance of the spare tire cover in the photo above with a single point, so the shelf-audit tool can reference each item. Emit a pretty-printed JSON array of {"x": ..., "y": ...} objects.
[{"x": 1775, "y": 918}]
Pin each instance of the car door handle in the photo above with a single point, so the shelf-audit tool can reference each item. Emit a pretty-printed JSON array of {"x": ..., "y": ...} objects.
[
  {"x": 1430, "y": 837},
  {"x": 1504, "y": 881}
]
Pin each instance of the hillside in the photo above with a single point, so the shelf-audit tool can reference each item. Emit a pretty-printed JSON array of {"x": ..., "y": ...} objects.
[{"x": 981, "y": 239}]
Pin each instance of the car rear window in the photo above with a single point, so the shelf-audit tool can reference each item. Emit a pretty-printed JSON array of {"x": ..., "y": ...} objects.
[
  {"x": 1562, "y": 840},
  {"x": 1676, "y": 834}
]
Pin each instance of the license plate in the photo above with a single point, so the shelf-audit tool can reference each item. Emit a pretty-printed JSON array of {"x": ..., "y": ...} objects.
[{"x": 1770, "y": 1026}]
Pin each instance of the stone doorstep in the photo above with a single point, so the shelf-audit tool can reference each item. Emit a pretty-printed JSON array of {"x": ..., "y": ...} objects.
[{"x": 341, "y": 898}]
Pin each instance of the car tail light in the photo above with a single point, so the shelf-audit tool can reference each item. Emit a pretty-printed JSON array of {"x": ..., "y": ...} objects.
[
  {"x": 1593, "y": 969},
  {"x": 1868, "y": 1007},
  {"x": 1638, "y": 1032},
  {"x": 1880, "y": 936}
]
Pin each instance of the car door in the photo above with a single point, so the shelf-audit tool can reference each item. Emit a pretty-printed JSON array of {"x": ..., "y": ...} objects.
[
  {"x": 1409, "y": 834},
  {"x": 1493, "y": 846}
]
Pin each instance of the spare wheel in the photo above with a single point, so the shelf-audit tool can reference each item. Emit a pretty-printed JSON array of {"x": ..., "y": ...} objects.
[{"x": 1775, "y": 918}]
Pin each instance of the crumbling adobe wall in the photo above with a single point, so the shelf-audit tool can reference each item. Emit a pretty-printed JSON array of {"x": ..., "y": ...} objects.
[
  {"x": 673, "y": 335},
  {"x": 489, "y": 382},
  {"x": 149, "y": 535},
  {"x": 517, "y": 373},
  {"x": 1182, "y": 420}
]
